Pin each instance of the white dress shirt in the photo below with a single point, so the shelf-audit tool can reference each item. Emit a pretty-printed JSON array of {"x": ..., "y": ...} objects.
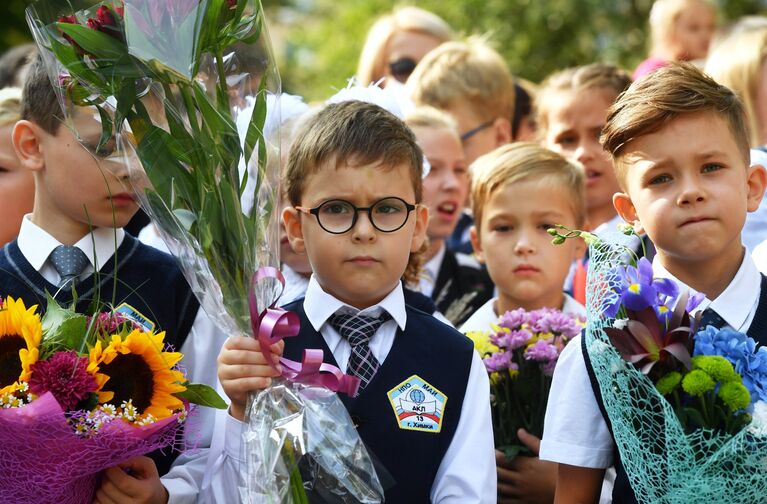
[
  {"x": 485, "y": 315},
  {"x": 200, "y": 348},
  {"x": 467, "y": 472},
  {"x": 575, "y": 433},
  {"x": 430, "y": 272},
  {"x": 295, "y": 285}
]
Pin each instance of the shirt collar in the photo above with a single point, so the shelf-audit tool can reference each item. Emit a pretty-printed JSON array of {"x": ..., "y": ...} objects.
[
  {"x": 735, "y": 303},
  {"x": 320, "y": 305},
  {"x": 37, "y": 244}
]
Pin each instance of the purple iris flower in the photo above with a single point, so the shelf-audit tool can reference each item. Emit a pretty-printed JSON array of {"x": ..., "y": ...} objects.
[{"x": 639, "y": 290}]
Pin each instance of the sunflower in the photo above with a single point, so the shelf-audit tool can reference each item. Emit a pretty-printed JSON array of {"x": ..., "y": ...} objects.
[
  {"x": 20, "y": 335},
  {"x": 138, "y": 370}
]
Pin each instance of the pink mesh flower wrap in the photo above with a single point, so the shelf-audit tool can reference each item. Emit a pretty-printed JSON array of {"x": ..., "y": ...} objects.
[{"x": 43, "y": 460}]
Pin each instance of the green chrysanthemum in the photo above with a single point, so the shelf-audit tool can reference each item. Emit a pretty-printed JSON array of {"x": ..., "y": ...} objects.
[
  {"x": 697, "y": 383},
  {"x": 669, "y": 383},
  {"x": 717, "y": 367},
  {"x": 735, "y": 396}
]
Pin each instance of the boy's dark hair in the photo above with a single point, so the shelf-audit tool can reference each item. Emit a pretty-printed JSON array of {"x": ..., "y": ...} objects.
[
  {"x": 654, "y": 100},
  {"x": 351, "y": 133},
  {"x": 13, "y": 64},
  {"x": 39, "y": 103}
]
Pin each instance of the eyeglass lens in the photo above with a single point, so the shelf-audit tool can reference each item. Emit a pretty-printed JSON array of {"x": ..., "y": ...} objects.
[{"x": 339, "y": 216}]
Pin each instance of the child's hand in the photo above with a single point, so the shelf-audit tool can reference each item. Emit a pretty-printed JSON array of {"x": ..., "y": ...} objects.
[
  {"x": 242, "y": 369},
  {"x": 526, "y": 479},
  {"x": 133, "y": 482}
]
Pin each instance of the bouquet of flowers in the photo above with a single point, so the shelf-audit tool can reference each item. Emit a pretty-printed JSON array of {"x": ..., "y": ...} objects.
[
  {"x": 181, "y": 88},
  {"x": 80, "y": 394},
  {"x": 686, "y": 404},
  {"x": 520, "y": 354}
]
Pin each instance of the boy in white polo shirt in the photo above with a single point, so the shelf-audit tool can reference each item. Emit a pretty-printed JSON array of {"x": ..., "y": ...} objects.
[{"x": 679, "y": 142}]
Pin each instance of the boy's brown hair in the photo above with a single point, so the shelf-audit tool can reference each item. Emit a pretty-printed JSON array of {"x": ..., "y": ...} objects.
[
  {"x": 355, "y": 133},
  {"x": 658, "y": 98},
  {"x": 39, "y": 103},
  {"x": 520, "y": 161},
  {"x": 593, "y": 76},
  {"x": 470, "y": 72},
  {"x": 351, "y": 133}
]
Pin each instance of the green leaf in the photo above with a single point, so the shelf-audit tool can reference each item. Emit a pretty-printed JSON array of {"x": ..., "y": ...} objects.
[
  {"x": 694, "y": 418},
  {"x": 106, "y": 127},
  {"x": 255, "y": 134},
  {"x": 203, "y": 395},
  {"x": 63, "y": 328},
  {"x": 101, "y": 45},
  {"x": 68, "y": 57}
]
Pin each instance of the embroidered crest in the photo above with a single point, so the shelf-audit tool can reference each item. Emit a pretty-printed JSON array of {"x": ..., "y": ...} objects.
[
  {"x": 417, "y": 405},
  {"x": 136, "y": 316}
]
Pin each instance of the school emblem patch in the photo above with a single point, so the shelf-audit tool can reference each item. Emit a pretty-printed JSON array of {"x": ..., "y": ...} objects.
[
  {"x": 136, "y": 316},
  {"x": 417, "y": 405}
]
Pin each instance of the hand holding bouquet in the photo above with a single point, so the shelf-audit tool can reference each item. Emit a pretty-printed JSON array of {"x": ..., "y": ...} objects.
[
  {"x": 80, "y": 394},
  {"x": 520, "y": 354},
  {"x": 170, "y": 81}
]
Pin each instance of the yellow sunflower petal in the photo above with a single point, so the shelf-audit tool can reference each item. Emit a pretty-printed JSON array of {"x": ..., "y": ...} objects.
[{"x": 153, "y": 360}]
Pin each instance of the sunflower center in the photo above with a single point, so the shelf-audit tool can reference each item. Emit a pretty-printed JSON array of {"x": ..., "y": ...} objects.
[
  {"x": 130, "y": 377},
  {"x": 10, "y": 362}
]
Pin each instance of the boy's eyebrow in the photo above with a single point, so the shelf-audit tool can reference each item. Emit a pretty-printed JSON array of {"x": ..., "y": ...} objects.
[{"x": 711, "y": 154}]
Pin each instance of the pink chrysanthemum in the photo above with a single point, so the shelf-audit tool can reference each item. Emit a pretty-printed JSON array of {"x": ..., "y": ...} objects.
[{"x": 65, "y": 376}]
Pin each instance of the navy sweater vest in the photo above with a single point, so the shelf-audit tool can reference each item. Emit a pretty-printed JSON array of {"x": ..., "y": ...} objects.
[
  {"x": 622, "y": 491},
  {"x": 148, "y": 280},
  {"x": 439, "y": 355}
]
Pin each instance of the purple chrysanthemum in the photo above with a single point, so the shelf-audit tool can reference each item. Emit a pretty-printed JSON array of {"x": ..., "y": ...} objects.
[
  {"x": 499, "y": 361},
  {"x": 542, "y": 351},
  {"x": 513, "y": 319},
  {"x": 65, "y": 376}
]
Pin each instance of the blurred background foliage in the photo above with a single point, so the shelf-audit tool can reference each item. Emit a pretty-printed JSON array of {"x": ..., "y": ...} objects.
[{"x": 317, "y": 42}]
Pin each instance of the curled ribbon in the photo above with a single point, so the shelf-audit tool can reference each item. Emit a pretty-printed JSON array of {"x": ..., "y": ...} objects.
[{"x": 272, "y": 325}]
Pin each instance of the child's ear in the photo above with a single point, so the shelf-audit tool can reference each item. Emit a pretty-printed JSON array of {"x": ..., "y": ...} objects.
[
  {"x": 626, "y": 210},
  {"x": 502, "y": 128},
  {"x": 421, "y": 223},
  {"x": 757, "y": 182},
  {"x": 27, "y": 141},
  {"x": 292, "y": 221},
  {"x": 476, "y": 244}
]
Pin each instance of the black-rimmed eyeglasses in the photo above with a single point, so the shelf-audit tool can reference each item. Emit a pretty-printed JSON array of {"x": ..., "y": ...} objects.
[
  {"x": 474, "y": 131},
  {"x": 339, "y": 216}
]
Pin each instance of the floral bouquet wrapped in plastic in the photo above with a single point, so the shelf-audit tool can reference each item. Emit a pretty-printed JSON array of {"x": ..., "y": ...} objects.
[
  {"x": 80, "y": 394},
  {"x": 686, "y": 404},
  {"x": 181, "y": 89},
  {"x": 520, "y": 354}
]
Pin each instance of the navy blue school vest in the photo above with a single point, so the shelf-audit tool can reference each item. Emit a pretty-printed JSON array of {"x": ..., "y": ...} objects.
[
  {"x": 149, "y": 281},
  {"x": 436, "y": 353},
  {"x": 622, "y": 492}
]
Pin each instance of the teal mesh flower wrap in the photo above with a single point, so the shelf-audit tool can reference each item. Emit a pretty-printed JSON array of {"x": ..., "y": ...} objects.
[{"x": 663, "y": 464}]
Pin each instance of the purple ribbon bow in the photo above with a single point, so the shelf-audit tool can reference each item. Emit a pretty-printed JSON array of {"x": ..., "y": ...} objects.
[{"x": 272, "y": 325}]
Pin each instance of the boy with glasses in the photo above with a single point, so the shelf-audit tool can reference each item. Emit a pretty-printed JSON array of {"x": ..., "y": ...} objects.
[
  {"x": 470, "y": 81},
  {"x": 354, "y": 183}
]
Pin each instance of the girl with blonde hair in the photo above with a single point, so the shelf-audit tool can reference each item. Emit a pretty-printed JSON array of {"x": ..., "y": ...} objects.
[{"x": 397, "y": 42}]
